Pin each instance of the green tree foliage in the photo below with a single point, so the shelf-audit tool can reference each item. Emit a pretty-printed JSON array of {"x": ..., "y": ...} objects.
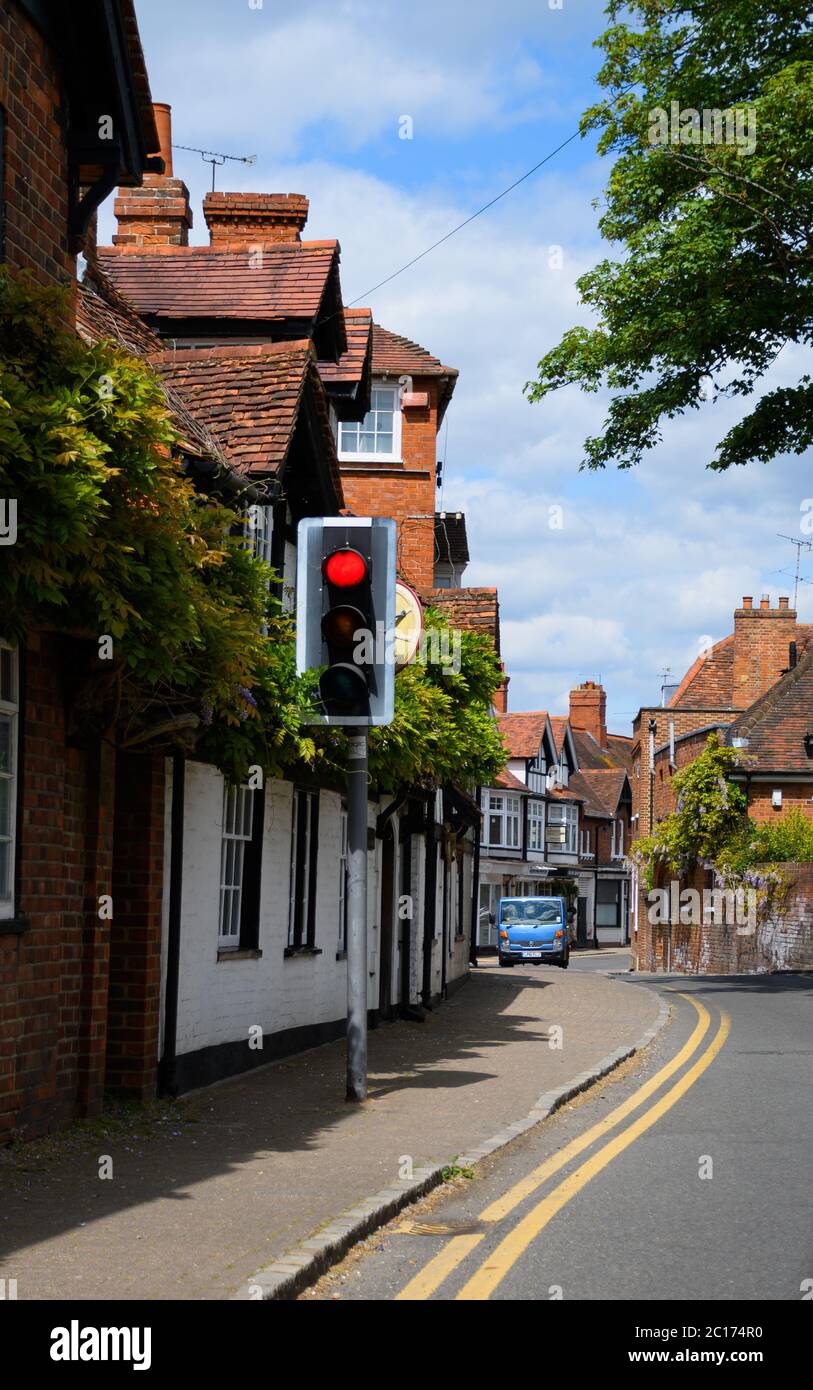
[
  {"x": 716, "y": 275},
  {"x": 114, "y": 541},
  {"x": 443, "y": 729},
  {"x": 710, "y": 810},
  {"x": 786, "y": 840}
]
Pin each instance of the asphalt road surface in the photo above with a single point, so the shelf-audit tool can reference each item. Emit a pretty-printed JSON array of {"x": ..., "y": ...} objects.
[{"x": 686, "y": 1175}]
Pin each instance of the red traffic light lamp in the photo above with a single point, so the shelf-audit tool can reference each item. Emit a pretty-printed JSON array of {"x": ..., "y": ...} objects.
[{"x": 345, "y": 569}]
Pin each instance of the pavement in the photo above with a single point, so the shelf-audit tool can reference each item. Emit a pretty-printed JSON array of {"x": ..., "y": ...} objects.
[
  {"x": 699, "y": 1190},
  {"x": 210, "y": 1189}
]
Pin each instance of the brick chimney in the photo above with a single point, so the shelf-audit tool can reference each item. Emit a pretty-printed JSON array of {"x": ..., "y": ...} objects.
[
  {"x": 588, "y": 711},
  {"x": 762, "y": 638},
  {"x": 500, "y": 697},
  {"x": 239, "y": 220},
  {"x": 157, "y": 213}
]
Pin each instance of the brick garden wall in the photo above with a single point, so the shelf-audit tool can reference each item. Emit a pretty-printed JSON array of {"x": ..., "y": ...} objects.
[
  {"x": 782, "y": 941},
  {"x": 36, "y": 170}
]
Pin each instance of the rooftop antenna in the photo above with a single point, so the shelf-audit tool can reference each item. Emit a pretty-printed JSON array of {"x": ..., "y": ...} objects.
[
  {"x": 800, "y": 546},
  {"x": 216, "y": 157},
  {"x": 665, "y": 673}
]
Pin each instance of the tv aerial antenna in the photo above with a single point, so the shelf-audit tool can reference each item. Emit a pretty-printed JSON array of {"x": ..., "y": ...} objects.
[
  {"x": 800, "y": 546},
  {"x": 216, "y": 158}
]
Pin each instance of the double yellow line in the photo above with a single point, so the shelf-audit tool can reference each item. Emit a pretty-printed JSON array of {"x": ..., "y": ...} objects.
[{"x": 482, "y": 1284}]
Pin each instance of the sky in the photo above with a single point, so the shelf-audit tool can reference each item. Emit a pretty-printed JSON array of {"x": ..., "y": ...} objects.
[{"x": 618, "y": 575}]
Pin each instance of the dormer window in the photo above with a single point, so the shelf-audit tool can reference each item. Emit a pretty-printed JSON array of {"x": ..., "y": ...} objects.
[{"x": 376, "y": 438}]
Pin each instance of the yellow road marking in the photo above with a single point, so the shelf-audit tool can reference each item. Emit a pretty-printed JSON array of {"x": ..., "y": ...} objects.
[
  {"x": 444, "y": 1263},
  {"x": 439, "y": 1268},
  {"x": 512, "y": 1198},
  {"x": 484, "y": 1282}
]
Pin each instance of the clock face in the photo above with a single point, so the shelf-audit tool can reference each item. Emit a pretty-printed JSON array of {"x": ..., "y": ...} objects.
[{"x": 408, "y": 624}]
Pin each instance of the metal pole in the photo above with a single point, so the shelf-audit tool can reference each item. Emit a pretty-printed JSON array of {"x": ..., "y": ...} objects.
[{"x": 357, "y": 917}]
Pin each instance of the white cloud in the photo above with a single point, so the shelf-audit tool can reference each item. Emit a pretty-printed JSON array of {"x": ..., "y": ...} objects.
[{"x": 648, "y": 561}]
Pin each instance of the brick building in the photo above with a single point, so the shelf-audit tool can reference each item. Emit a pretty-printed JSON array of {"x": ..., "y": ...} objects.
[
  {"x": 75, "y": 118},
  {"x": 754, "y": 691},
  {"x": 721, "y": 683}
]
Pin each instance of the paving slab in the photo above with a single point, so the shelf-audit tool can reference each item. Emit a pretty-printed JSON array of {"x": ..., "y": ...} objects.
[{"x": 213, "y": 1188}]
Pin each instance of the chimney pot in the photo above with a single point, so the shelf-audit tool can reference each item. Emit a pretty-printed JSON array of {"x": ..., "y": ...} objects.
[
  {"x": 157, "y": 213},
  {"x": 163, "y": 121},
  {"x": 765, "y": 601},
  {"x": 784, "y": 603},
  {"x": 748, "y": 601}
]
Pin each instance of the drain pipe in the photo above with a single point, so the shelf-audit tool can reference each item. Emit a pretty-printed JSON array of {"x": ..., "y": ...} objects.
[
  {"x": 475, "y": 884},
  {"x": 167, "y": 1071}
]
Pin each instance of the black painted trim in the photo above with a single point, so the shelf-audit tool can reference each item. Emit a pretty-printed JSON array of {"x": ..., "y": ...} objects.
[{"x": 215, "y": 1063}]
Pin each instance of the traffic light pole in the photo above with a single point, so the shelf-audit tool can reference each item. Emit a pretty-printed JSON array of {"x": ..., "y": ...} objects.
[{"x": 357, "y": 916}]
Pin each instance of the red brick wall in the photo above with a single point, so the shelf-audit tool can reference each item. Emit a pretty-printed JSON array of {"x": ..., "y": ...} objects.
[
  {"x": 135, "y": 957},
  {"x": 408, "y": 493},
  {"x": 53, "y": 976},
  {"x": 686, "y": 720},
  {"x": 63, "y": 1037},
  {"x": 795, "y": 796},
  {"x": 36, "y": 173},
  {"x": 783, "y": 941}
]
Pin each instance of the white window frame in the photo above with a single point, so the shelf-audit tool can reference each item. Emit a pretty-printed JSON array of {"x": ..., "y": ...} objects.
[
  {"x": 235, "y": 832},
  {"x": 310, "y": 848},
  {"x": 10, "y": 709},
  {"x": 260, "y": 522},
  {"x": 536, "y": 827},
  {"x": 617, "y": 840},
  {"x": 373, "y": 457},
  {"x": 509, "y": 811},
  {"x": 567, "y": 815},
  {"x": 584, "y": 845}
]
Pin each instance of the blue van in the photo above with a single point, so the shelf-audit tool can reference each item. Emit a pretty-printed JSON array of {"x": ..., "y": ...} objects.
[{"x": 533, "y": 929}]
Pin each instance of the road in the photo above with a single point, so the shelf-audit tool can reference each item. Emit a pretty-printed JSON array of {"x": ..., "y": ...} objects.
[{"x": 684, "y": 1176}]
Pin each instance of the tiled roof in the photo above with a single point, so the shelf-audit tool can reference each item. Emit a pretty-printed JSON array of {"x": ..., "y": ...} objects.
[
  {"x": 601, "y": 789},
  {"x": 103, "y": 315},
  {"x": 709, "y": 681},
  {"x": 451, "y": 542},
  {"x": 523, "y": 733},
  {"x": 559, "y": 723},
  {"x": 618, "y": 752},
  {"x": 509, "y": 781},
  {"x": 471, "y": 610},
  {"x": 776, "y": 724},
  {"x": 249, "y": 397},
  {"x": 351, "y": 364},
  {"x": 394, "y": 355},
  {"x": 565, "y": 794},
  {"x": 289, "y": 280}
]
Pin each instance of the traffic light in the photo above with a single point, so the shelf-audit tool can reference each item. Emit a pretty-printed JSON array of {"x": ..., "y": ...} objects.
[{"x": 345, "y": 616}]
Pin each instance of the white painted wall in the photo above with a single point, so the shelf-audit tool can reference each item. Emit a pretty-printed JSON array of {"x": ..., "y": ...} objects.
[{"x": 222, "y": 996}]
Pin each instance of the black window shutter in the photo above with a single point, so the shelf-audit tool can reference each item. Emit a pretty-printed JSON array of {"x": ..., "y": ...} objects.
[
  {"x": 252, "y": 875},
  {"x": 312, "y": 866}
]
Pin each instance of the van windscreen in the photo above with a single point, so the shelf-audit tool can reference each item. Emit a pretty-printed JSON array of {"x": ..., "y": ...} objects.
[{"x": 530, "y": 912}]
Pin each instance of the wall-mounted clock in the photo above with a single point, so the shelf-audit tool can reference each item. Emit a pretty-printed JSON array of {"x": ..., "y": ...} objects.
[{"x": 408, "y": 624}]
